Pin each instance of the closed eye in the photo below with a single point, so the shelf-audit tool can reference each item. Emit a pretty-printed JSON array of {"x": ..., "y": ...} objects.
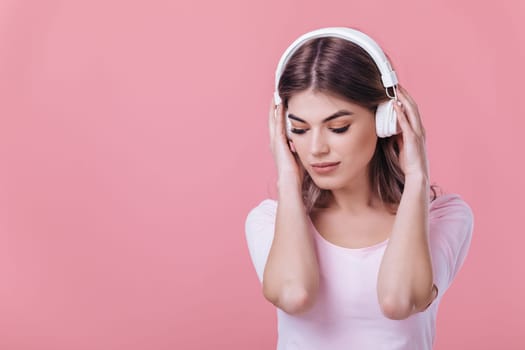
[
  {"x": 335, "y": 130},
  {"x": 298, "y": 131},
  {"x": 340, "y": 130}
]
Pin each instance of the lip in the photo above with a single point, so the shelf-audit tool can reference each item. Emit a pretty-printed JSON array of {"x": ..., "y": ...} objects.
[
  {"x": 326, "y": 167},
  {"x": 325, "y": 164}
]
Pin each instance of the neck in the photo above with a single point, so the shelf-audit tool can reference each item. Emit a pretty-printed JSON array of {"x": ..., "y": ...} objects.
[{"x": 356, "y": 198}]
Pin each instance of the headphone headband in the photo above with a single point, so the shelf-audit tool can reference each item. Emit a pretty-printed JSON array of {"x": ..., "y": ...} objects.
[{"x": 388, "y": 76}]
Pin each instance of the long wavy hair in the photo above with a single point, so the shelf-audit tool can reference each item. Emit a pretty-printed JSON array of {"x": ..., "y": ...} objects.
[{"x": 338, "y": 66}]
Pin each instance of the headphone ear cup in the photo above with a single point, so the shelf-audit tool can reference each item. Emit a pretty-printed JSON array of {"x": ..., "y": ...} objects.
[
  {"x": 392, "y": 127},
  {"x": 381, "y": 115},
  {"x": 386, "y": 119}
]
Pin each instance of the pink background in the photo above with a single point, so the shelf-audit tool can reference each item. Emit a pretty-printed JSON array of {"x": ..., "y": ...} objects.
[{"x": 134, "y": 141}]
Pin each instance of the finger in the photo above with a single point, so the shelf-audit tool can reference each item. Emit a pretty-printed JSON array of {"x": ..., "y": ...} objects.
[
  {"x": 420, "y": 130},
  {"x": 281, "y": 124},
  {"x": 411, "y": 110},
  {"x": 271, "y": 122},
  {"x": 407, "y": 102},
  {"x": 279, "y": 120},
  {"x": 406, "y": 94},
  {"x": 406, "y": 127},
  {"x": 292, "y": 147}
]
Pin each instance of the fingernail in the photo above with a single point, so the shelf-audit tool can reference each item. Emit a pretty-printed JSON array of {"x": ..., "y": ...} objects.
[
  {"x": 399, "y": 103},
  {"x": 291, "y": 146}
]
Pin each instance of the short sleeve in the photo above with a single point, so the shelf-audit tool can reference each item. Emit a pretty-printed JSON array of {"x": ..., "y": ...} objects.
[
  {"x": 259, "y": 229},
  {"x": 451, "y": 224}
]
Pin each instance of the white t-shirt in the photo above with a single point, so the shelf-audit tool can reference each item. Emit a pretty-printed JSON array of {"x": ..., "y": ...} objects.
[{"x": 346, "y": 314}]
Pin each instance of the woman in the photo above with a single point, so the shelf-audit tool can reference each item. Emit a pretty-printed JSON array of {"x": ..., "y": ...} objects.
[{"x": 355, "y": 253}]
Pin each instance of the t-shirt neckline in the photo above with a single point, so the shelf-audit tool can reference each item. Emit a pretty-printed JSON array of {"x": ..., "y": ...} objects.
[
  {"x": 326, "y": 242},
  {"x": 320, "y": 237}
]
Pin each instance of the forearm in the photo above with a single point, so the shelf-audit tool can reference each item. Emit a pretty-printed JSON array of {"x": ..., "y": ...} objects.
[
  {"x": 291, "y": 275},
  {"x": 405, "y": 276}
]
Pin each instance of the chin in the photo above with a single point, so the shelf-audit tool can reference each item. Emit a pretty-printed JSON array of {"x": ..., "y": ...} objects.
[{"x": 326, "y": 183}]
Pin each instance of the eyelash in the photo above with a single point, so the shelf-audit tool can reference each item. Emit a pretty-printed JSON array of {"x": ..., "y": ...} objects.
[{"x": 336, "y": 130}]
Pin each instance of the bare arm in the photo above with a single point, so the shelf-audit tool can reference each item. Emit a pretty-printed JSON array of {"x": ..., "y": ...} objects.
[
  {"x": 405, "y": 281},
  {"x": 291, "y": 275}
]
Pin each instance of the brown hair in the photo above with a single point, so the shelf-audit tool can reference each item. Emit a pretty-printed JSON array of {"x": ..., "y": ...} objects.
[{"x": 338, "y": 66}]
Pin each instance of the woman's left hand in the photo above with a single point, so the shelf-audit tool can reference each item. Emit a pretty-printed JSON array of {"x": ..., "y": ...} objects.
[{"x": 411, "y": 141}]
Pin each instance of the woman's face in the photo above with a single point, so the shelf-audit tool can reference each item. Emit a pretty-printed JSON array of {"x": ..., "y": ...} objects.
[{"x": 329, "y": 129}]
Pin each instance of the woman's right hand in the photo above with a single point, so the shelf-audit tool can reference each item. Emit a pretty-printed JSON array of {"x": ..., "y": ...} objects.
[{"x": 289, "y": 167}]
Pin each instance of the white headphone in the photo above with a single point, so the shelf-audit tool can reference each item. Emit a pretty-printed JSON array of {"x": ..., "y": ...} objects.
[{"x": 386, "y": 119}]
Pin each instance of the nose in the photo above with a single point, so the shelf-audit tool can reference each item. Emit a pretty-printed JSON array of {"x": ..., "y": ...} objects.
[{"x": 318, "y": 146}]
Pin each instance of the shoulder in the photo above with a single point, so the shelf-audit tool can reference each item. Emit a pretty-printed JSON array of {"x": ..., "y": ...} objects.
[
  {"x": 261, "y": 215},
  {"x": 267, "y": 206},
  {"x": 259, "y": 230},
  {"x": 451, "y": 230},
  {"x": 450, "y": 205},
  {"x": 451, "y": 223}
]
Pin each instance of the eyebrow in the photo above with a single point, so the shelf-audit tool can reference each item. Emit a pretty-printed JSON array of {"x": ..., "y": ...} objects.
[{"x": 333, "y": 116}]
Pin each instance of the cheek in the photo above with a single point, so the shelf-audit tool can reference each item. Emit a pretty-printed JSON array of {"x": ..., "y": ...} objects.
[
  {"x": 360, "y": 146},
  {"x": 302, "y": 154}
]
